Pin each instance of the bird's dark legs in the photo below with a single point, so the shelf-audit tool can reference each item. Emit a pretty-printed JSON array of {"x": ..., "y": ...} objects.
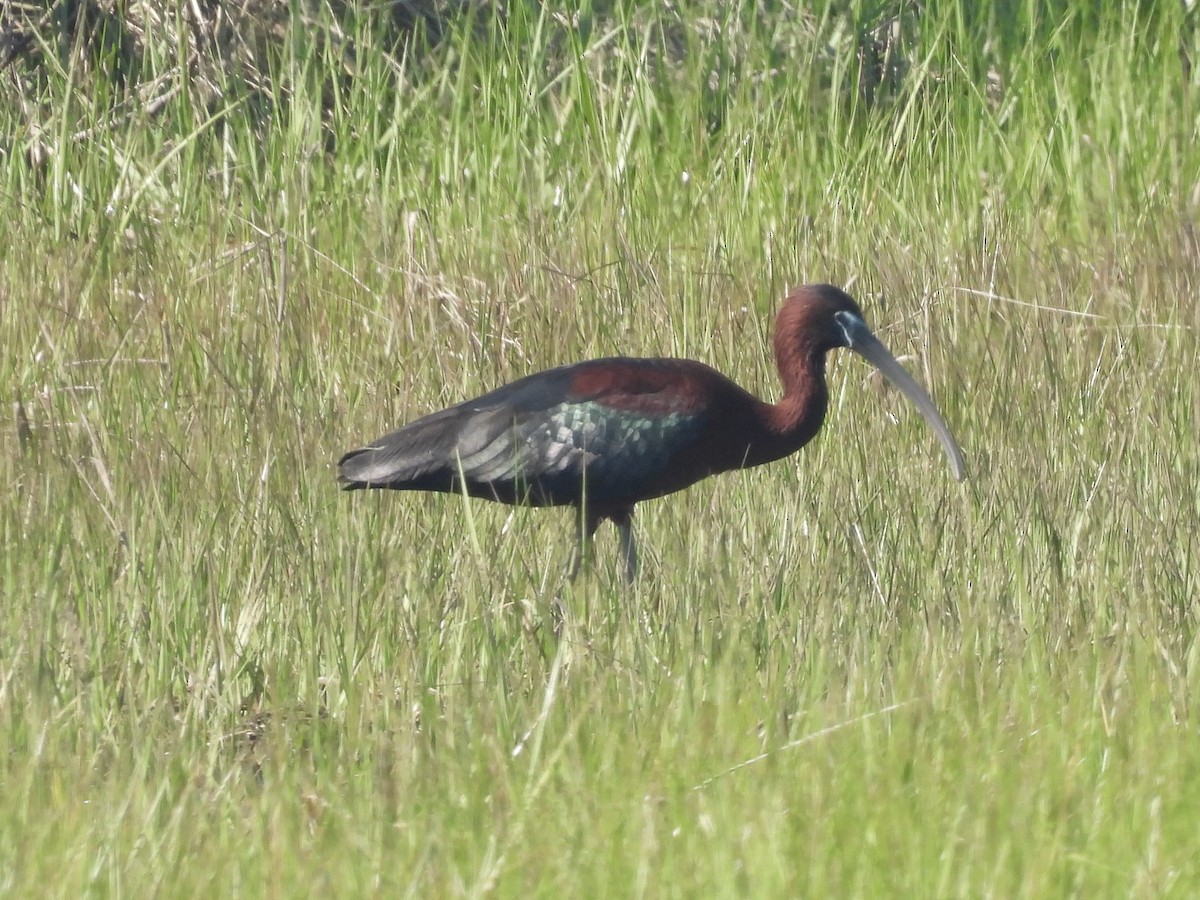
[
  {"x": 624, "y": 522},
  {"x": 587, "y": 524}
]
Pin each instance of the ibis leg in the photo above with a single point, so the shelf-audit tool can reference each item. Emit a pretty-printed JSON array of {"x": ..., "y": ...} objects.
[
  {"x": 624, "y": 522},
  {"x": 587, "y": 525}
]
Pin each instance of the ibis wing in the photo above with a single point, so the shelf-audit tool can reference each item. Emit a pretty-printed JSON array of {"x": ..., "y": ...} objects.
[
  {"x": 455, "y": 439},
  {"x": 597, "y": 428},
  {"x": 610, "y": 454}
]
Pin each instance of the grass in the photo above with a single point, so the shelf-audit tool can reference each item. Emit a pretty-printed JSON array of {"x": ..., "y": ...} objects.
[{"x": 842, "y": 674}]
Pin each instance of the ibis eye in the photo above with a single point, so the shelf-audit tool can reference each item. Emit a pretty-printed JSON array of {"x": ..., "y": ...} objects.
[{"x": 851, "y": 325}]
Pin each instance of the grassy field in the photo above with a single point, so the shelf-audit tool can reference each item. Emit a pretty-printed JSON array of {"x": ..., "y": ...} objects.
[{"x": 845, "y": 674}]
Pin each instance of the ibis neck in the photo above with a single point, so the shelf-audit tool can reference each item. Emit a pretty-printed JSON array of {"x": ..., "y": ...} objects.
[{"x": 796, "y": 418}]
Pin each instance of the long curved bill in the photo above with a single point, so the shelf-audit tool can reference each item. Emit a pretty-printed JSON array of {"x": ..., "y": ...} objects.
[{"x": 862, "y": 342}]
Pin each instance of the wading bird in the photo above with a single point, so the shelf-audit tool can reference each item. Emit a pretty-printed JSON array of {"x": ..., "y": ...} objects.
[{"x": 606, "y": 434}]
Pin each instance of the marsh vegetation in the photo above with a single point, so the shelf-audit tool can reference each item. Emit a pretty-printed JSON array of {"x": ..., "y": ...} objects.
[{"x": 232, "y": 247}]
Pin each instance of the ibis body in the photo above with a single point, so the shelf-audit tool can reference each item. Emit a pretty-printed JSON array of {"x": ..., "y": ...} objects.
[{"x": 604, "y": 435}]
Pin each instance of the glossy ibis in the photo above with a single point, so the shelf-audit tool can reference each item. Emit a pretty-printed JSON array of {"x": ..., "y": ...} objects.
[{"x": 604, "y": 435}]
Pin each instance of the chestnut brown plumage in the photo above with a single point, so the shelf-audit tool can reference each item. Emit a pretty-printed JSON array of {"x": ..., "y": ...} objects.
[{"x": 606, "y": 434}]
